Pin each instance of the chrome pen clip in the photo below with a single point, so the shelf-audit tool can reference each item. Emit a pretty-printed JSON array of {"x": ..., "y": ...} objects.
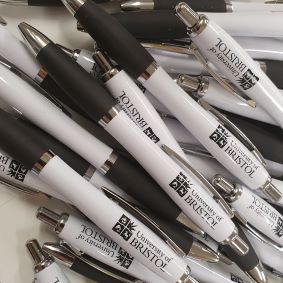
[
  {"x": 206, "y": 185},
  {"x": 144, "y": 219},
  {"x": 2, "y": 21},
  {"x": 217, "y": 77},
  {"x": 234, "y": 129},
  {"x": 273, "y": 271},
  {"x": 195, "y": 150},
  {"x": 173, "y": 47}
]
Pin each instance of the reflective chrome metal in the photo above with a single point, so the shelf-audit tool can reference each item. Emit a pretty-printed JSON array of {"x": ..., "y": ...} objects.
[
  {"x": 134, "y": 5},
  {"x": 195, "y": 150},
  {"x": 40, "y": 258},
  {"x": 89, "y": 173},
  {"x": 73, "y": 5},
  {"x": 44, "y": 159},
  {"x": 41, "y": 75},
  {"x": 271, "y": 191},
  {"x": 229, "y": 6},
  {"x": 15, "y": 2},
  {"x": 55, "y": 221},
  {"x": 193, "y": 84},
  {"x": 188, "y": 223},
  {"x": 263, "y": 66},
  {"x": 186, "y": 278},
  {"x": 273, "y": 1},
  {"x": 258, "y": 274},
  {"x": 34, "y": 38},
  {"x": 108, "y": 163},
  {"x": 149, "y": 71},
  {"x": 111, "y": 114},
  {"x": 201, "y": 252},
  {"x": 2, "y": 21},
  {"x": 169, "y": 47},
  {"x": 68, "y": 51}
]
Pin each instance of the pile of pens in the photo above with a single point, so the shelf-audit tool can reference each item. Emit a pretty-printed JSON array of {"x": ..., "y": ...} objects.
[{"x": 166, "y": 137}]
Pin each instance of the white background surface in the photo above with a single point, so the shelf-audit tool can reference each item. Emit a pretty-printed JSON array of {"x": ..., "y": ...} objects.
[{"x": 17, "y": 212}]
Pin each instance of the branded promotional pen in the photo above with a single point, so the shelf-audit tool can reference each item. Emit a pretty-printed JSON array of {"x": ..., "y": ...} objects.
[
  {"x": 89, "y": 239},
  {"x": 119, "y": 224},
  {"x": 86, "y": 265},
  {"x": 225, "y": 53},
  {"x": 215, "y": 137},
  {"x": 45, "y": 268},
  {"x": 103, "y": 109}
]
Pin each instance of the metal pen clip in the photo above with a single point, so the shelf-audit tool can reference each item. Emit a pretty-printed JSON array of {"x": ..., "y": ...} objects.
[
  {"x": 206, "y": 185},
  {"x": 234, "y": 129},
  {"x": 64, "y": 247},
  {"x": 173, "y": 47},
  {"x": 144, "y": 219},
  {"x": 195, "y": 150},
  {"x": 273, "y": 1},
  {"x": 273, "y": 271},
  {"x": 2, "y": 21},
  {"x": 217, "y": 77}
]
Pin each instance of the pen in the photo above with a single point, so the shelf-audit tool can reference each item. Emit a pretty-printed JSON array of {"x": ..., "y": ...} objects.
[
  {"x": 45, "y": 268},
  {"x": 89, "y": 239},
  {"x": 139, "y": 64},
  {"x": 103, "y": 158},
  {"x": 38, "y": 2},
  {"x": 85, "y": 265},
  {"x": 233, "y": 61},
  {"x": 168, "y": 174},
  {"x": 110, "y": 217}
]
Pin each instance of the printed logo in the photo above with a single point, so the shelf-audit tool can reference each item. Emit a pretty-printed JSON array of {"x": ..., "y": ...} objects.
[
  {"x": 234, "y": 278},
  {"x": 248, "y": 80},
  {"x": 17, "y": 170},
  {"x": 220, "y": 136},
  {"x": 149, "y": 132},
  {"x": 124, "y": 259},
  {"x": 278, "y": 230},
  {"x": 124, "y": 227},
  {"x": 181, "y": 185}
]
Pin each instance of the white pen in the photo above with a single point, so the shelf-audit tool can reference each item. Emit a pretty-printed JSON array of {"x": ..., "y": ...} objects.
[
  {"x": 178, "y": 183},
  {"x": 227, "y": 55},
  {"x": 45, "y": 268}
]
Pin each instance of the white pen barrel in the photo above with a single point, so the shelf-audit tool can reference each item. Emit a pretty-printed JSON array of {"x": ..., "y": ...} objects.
[
  {"x": 17, "y": 53},
  {"x": 235, "y": 63},
  {"x": 221, "y": 143},
  {"x": 91, "y": 240},
  {"x": 45, "y": 115},
  {"x": 184, "y": 190},
  {"x": 129, "y": 233},
  {"x": 51, "y": 274},
  {"x": 255, "y": 7}
]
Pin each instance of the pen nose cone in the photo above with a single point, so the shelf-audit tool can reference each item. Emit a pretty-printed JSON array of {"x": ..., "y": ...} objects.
[
  {"x": 34, "y": 38},
  {"x": 73, "y": 5},
  {"x": 258, "y": 274},
  {"x": 201, "y": 252}
]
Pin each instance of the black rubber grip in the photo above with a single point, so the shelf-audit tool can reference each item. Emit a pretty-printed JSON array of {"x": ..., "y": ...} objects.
[
  {"x": 114, "y": 39},
  {"x": 246, "y": 262},
  {"x": 197, "y": 5},
  {"x": 267, "y": 138},
  {"x": 18, "y": 143},
  {"x": 53, "y": 2},
  {"x": 66, "y": 154},
  {"x": 136, "y": 182},
  {"x": 153, "y": 24},
  {"x": 274, "y": 71},
  {"x": 52, "y": 88},
  {"x": 83, "y": 89}
]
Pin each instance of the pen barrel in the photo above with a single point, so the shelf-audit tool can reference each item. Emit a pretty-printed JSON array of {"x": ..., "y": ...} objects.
[
  {"x": 158, "y": 25},
  {"x": 179, "y": 185},
  {"x": 220, "y": 142},
  {"x": 233, "y": 61},
  {"x": 118, "y": 224},
  {"x": 114, "y": 38},
  {"x": 44, "y": 3}
]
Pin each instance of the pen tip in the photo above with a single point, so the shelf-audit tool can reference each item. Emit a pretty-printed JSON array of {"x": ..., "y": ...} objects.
[
  {"x": 258, "y": 274},
  {"x": 201, "y": 252},
  {"x": 34, "y": 38},
  {"x": 73, "y": 5}
]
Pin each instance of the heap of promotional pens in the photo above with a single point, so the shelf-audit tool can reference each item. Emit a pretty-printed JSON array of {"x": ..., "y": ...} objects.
[{"x": 177, "y": 164}]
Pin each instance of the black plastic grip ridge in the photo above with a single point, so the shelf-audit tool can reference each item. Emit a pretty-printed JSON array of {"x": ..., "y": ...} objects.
[
  {"x": 45, "y": 3},
  {"x": 274, "y": 71},
  {"x": 83, "y": 89},
  {"x": 137, "y": 183},
  {"x": 197, "y": 5},
  {"x": 114, "y": 39},
  {"x": 153, "y": 24},
  {"x": 66, "y": 154},
  {"x": 246, "y": 262},
  {"x": 18, "y": 143}
]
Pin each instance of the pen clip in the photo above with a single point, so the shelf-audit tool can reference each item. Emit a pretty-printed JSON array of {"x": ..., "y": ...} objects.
[
  {"x": 206, "y": 185},
  {"x": 144, "y": 219},
  {"x": 234, "y": 129},
  {"x": 195, "y": 150},
  {"x": 273, "y": 271},
  {"x": 169, "y": 47},
  {"x": 218, "y": 78},
  {"x": 2, "y": 21}
]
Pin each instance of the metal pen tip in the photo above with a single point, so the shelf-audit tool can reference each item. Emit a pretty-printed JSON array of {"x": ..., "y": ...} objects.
[
  {"x": 73, "y": 5},
  {"x": 258, "y": 274},
  {"x": 34, "y": 38},
  {"x": 201, "y": 252}
]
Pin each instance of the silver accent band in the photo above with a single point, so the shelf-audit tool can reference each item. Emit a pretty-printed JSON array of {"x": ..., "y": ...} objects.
[
  {"x": 108, "y": 163},
  {"x": 41, "y": 75},
  {"x": 229, "y": 6},
  {"x": 44, "y": 159},
  {"x": 199, "y": 27},
  {"x": 73, "y": 5},
  {"x": 149, "y": 71},
  {"x": 107, "y": 118},
  {"x": 89, "y": 173},
  {"x": 271, "y": 191}
]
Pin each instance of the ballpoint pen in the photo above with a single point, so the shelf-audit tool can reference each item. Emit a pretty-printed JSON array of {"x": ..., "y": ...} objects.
[
  {"x": 103, "y": 158},
  {"x": 225, "y": 53},
  {"x": 45, "y": 268},
  {"x": 178, "y": 183},
  {"x": 86, "y": 265},
  {"x": 139, "y": 64},
  {"x": 110, "y": 217},
  {"x": 38, "y": 2},
  {"x": 89, "y": 239}
]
